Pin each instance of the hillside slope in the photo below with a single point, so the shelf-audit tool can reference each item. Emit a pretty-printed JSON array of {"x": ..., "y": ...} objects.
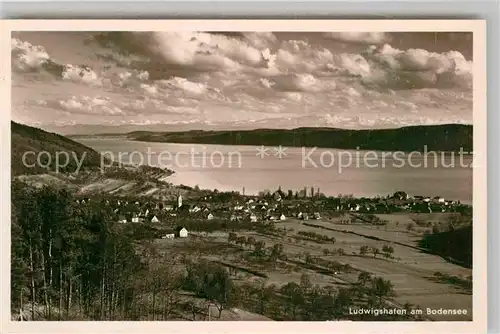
[
  {"x": 125, "y": 180},
  {"x": 449, "y": 137},
  {"x": 29, "y": 139}
]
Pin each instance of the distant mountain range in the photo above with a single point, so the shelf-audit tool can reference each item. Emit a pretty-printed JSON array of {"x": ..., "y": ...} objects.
[
  {"x": 29, "y": 139},
  {"x": 448, "y": 137}
]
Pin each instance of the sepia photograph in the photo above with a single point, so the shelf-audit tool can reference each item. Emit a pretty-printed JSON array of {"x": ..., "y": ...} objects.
[{"x": 236, "y": 175}]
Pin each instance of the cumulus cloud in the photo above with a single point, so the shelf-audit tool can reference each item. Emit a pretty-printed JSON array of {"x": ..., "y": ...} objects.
[
  {"x": 206, "y": 51},
  {"x": 107, "y": 106},
  {"x": 383, "y": 66},
  {"x": 418, "y": 68},
  {"x": 149, "y": 89},
  {"x": 82, "y": 74},
  {"x": 353, "y": 92},
  {"x": 184, "y": 85},
  {"x": 300, "y": 83},
  {"x": 260, "y": 40},
  {"x": 294, "y": 96},
  {"x": 359, "y": 37},
  {"x": 266, "y": 82},
  {"x": 295, "y": 56},
  {"x": 353, "y": 64},
  {"x": 27, "y": 57},
  {"x": 124, "y": 78},
  {"x": 91, "y": 105}
]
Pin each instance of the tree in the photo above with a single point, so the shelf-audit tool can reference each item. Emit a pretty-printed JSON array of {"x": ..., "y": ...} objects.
[
  {"x": 293, "y": 297},
  {"x": 305, "y": 282},
  {"x": 340, "y": 251},
  {"x": 410, "y": 227},
  {"x": 382, "y": 288},
  {"x": 388, "y": 251},
  {"x": 251, "y": 241},
  {"x": 232, "y": 237},
  {"x": 211, "y": 282},
  {"x": 259, "y": 248},
  {"x": 375, "y": 251},
  {"x": 308, "y": 258},
  {"x": 276, "y": 252},
  {"x": 343, "y": 300},
  {"x": 266, "y": 294},
  {"x": 241, "y": 241},
  {"x": 363, "y": 278},
  {"x": 219, "y": 289},
  {"x": 400, "y": 195},
  {"x": 363, "y": 250},
  {"x": 169, "y": 284}
]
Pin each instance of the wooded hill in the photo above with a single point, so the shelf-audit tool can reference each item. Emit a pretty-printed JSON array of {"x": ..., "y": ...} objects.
[
  {"x": 29, "y": 139},
  {"x": 449, "y": 137}
]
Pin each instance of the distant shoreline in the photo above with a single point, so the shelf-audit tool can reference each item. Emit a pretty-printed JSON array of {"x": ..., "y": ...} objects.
[
  {"x": 110, "y": 137},
  {"x": 436, "y": 138}
]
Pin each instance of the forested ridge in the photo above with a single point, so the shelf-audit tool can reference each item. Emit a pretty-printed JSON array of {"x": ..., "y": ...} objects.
[
  {"x": 447, "y": 137},
  {"x": 26, "y": 139}
]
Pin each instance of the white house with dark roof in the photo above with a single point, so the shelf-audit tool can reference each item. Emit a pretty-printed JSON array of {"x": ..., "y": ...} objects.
[{"x": 182, "y": 232}]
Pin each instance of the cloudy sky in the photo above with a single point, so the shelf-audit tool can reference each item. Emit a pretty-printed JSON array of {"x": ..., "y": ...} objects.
[{"x": 198, "y": 80}]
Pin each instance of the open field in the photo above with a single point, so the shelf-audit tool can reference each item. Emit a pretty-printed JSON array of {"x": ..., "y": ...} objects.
[{"x": 410, "y": 270}]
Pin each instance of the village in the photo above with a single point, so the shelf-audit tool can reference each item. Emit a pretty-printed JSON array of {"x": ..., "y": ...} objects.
[
  {"x": 266, "y": 207},
  {"x": 278, "y": 238}
]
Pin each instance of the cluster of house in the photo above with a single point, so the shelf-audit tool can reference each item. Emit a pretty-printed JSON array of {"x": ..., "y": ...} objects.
[
  {"x": 400, "y": 201},
  {"x": 425, "y": 204},
  {"x": 270, "y": 209},
  {"x": 134, "y": 211},
  {"x": 251, "y": 209}
]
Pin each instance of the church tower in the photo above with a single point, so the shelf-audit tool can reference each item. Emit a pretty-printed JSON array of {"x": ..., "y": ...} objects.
[{"x": 179, "y": 201}]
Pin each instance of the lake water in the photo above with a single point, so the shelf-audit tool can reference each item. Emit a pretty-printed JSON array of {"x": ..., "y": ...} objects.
[{"x": 360, "y": 173}]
